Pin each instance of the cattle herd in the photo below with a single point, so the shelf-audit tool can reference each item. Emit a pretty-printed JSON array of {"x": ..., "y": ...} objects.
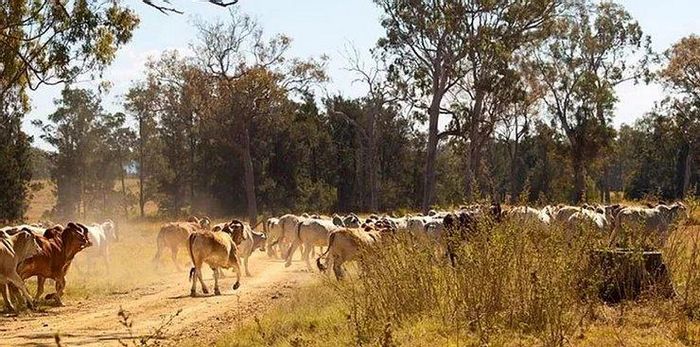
[{"x": 47, "y": 251}]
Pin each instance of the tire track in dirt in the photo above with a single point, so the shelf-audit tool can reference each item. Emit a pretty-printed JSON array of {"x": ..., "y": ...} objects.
[{"x": 95, "y": 321}]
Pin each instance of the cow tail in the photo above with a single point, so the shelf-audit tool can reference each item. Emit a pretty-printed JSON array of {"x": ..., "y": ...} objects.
[
  {"x": 319, "y": 264},
  {"x": 190, "y": 241}
]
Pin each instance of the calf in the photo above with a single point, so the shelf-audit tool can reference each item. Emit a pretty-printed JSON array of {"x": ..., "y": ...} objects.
[
  {"x": 58, "y": 248},
  {"x": 218, "y": 250},
  {"x": 14, "y": 249}
]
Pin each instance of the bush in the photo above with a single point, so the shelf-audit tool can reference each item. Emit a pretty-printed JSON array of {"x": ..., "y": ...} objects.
[{"x": 515, "y": 278}]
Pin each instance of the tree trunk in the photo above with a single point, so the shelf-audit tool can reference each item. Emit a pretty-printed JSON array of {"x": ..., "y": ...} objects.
[
  {"x": 249, "y": 181},
  {"x": 688, "y": 172},
  {"x": 431, "y": 154},
  {"x": 514, "y": 193},
  {"x": 142, "y": 172},
  {"x": 373, "y": 165},
  {"x": 579, "y": 194},
  {"x": 469, "y": 179},
  {"x": 124, "y": 197}
]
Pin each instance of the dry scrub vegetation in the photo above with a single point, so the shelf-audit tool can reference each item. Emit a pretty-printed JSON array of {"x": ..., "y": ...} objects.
[{"x": 514, "y": 284}]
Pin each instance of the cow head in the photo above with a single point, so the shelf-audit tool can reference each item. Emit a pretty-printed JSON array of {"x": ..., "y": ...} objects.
[
  {"x": 237, "y": 231},
  {"x": 259, "y": 241},
  {"x": 205, "y": 223},
  {"x": 75, "y": 238},
  {"x": 351, "y": 221},
  {"x": 337, "y": 221}
]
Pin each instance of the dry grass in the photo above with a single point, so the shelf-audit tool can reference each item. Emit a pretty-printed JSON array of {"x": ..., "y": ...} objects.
[{"x": 514, "y": 285}]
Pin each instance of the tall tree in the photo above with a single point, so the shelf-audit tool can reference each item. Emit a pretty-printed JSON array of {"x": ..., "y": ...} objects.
[
  {"x": 141, "y": 102},
  {"x": 47, "y": 42},
  {"x": 73, "y": 131},
  {"x": 436, "y": 45},
  {"x": 254, "y": 75},
  {"x": 682, "y": 77},
  {"x": 589, "y": 53}
]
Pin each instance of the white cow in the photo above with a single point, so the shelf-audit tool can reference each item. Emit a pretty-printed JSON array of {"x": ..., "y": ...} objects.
[
  {"x": 588, "y": 217},
  {"x": 653, "y": 223},
  {"x": 525, "y": 213},
  {"x": 310, "y": 233},
  {"x": 101, "y": 236}
]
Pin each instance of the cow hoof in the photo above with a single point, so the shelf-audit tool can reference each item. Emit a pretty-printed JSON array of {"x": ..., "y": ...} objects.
[
  {"x": 247, "y": 274},
  {"x": 31, "y": 306},
  {"x": 205, "y": 291},
  {"x": 236, "y": 285},
  {"x": 287, "y": 264},
  {"x": 217, "y": 291},
  {"x": 193, "y": 293}
]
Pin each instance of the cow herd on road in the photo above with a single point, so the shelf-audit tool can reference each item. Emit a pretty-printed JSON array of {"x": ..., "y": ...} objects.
[{"x": 47, "y": 251}]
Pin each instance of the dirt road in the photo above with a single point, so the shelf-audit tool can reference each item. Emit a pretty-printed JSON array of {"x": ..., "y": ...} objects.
[{"x": 95, "y": 321}]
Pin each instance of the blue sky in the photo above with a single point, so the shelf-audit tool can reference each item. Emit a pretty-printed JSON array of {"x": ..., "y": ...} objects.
[{"x": 327, "y": 27}]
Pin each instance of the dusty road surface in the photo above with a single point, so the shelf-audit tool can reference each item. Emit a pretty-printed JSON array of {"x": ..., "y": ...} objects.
[{"x": 95, "y": 321}]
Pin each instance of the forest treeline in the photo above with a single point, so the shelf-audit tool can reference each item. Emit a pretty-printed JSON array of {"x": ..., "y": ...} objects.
[{"x": 465, "y": 100}]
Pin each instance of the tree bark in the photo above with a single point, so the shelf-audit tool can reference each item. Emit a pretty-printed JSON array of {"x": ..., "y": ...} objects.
[
  {"x": 687, "y": 171},
  {"x": 142, "y": 172},
  {"x": 123, "y": 179},
  {"x": 579, "y": 194},
  {"x": 373, "y": 166},
  {"x": 431, "y": 154},
  {"x": 249, "y": 180}
]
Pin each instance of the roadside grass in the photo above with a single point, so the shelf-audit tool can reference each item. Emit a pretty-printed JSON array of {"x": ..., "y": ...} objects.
[
  {"x": 515, "y": 285},
  {"x": 312, "y": 316}
]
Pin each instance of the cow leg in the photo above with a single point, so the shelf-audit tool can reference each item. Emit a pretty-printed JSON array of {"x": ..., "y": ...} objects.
[
  {"x": 338, "y": 269},
  {"x": 39, "y": 287},
  {"x": 305, "y": 255},
  {"x": 60, "y": 286},
  {"x": 245, "y": 265},
  {"x": 8, "y": 303},
  {"x": 290, "y": 253},
  {"x": 237, "y": 268},
  {"x": 217, "y": 291},
  {"x": 17, "y": 282},
  {"x": 205, "y": 289},
  {"x": 173, "y": 254}
]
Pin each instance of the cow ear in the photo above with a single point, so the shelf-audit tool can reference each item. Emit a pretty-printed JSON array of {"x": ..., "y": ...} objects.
[{"x": 83, "y": 228}]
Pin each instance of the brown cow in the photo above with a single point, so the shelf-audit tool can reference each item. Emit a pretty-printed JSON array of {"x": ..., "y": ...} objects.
[
  {"x": 58, "y": 248},
  {"x": 217, "y": 249},
  {"x": 174, "y": 236}
]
